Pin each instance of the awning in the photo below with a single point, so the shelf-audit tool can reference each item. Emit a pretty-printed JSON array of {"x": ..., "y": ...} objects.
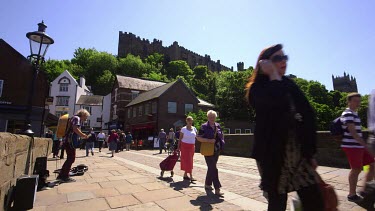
[{"x": 51, "y": 120}]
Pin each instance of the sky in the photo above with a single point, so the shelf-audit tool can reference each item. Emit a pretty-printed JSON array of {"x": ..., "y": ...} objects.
[{"x": 321, "y": 37}]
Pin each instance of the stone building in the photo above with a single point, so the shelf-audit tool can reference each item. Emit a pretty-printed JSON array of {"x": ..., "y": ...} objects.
[
  {"x": 163, "y": 107},
  {"x": 130, "y": 43},
  {"x": 347, "y": 83}
]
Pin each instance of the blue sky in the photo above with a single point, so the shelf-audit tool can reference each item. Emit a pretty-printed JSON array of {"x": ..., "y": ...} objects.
[{"x": 321, "y": 37}]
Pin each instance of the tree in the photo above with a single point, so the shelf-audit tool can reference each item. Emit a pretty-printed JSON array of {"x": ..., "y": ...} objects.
[
  {"x": 362, "y": 110},
  {"x": 81, "y": 56},
  {"x": 200, "y": 117},
  {"x": 54, "y": 68},
  {"x": 103, "y": 83},
  {"x": 134, "y": 66},
  {"x": 231, "y": 94},
  {"x": 179, "y": 68}
]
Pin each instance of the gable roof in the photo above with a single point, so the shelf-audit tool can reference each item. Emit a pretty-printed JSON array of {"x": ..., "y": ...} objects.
[
  {"x": 94, "y": 100},
  {"x": 152, "y": 94},
  {"x": 137, "y": 83},
  {"x": 205, "y": 103},
  {"x": 67, "y": 74}
]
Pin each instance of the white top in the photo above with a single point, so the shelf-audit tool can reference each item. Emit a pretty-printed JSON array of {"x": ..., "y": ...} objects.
[
  {"x": 101, "y": 137},
  {"x": 189, "y": 136}
]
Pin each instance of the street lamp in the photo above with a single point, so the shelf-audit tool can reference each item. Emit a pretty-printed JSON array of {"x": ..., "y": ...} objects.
[{"x": 39, "y": 43}]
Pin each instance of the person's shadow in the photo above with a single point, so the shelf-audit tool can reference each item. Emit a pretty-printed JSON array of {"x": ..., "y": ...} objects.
[
  {"x": 205, "y": 201},
  {"x": 180, "y": 185}
]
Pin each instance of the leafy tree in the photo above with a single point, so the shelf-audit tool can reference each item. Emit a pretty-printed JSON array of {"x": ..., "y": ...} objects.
[
  {"x": 134, "y": 66},
  {"x": 156, "y": 60},
  {"x": 179, "y": 68},
  {"x": 230, "y": 95},
  {"x": 54, "y": 68},
  {"x": 103, "y": 84},
  {"x": 362, "y": 111},
  {"x": 200, "y": 117},
  {"x": 81, "y": 56}
]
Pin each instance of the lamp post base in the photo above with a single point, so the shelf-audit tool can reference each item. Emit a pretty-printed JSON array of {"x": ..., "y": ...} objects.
[{"x": 28, "y": 131}]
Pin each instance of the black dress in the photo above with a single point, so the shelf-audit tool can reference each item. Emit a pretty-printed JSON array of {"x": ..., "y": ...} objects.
[{"x": 285, "y": 135}]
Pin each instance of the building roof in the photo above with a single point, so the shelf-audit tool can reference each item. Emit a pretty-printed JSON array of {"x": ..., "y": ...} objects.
[
  {"x": 94, "y": 100},
  {"x": 205, "y": 103},
  {"x": 152, "y": 94},
  {"x": 137, "y": 83}
]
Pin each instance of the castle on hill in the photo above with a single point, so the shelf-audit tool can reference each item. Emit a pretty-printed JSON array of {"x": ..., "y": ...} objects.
[{"x": 132, "y": 44}]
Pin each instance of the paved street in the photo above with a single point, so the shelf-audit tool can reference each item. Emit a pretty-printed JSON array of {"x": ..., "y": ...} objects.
[{"x": 130, "y": 181}]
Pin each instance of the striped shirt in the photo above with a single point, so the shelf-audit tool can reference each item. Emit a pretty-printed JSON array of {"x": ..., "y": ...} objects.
[{"x": 350, "y": 116}]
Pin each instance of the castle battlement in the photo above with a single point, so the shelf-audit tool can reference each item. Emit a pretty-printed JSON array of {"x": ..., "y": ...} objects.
[
  {"x": 346, "y": 83},
  {"x": 130, "y": 43}
]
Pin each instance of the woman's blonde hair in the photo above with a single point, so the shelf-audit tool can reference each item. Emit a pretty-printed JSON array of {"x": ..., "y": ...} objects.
[
  {"x": 211, "y": 112},
  {"x": 82, "y": 112},
  {"x": 189, "y": 117}
]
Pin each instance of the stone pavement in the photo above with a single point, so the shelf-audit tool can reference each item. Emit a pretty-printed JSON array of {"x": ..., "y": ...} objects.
[{"x": 130, "y": 181}]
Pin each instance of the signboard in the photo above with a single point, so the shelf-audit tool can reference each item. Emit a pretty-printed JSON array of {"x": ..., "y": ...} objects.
[
  {"x": 156, "y": 143},
  {"x": 49, "y": 100}
]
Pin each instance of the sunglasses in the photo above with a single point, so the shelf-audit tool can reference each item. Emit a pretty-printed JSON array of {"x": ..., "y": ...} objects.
[{"x": 279, "y": 58}]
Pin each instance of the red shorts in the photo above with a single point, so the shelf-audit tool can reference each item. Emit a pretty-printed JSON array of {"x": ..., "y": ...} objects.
[{"x": 358, "y": 157}]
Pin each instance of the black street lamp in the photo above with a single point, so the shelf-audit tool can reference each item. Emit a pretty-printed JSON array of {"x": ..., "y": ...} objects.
[{"x": 39, "y": 43}]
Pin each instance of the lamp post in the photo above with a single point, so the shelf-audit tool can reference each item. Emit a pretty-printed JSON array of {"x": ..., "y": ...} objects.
[{"x": 39, "y": 43}]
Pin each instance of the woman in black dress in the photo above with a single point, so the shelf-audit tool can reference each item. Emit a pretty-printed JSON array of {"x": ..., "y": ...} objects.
[{"x": 285, "y": 134}]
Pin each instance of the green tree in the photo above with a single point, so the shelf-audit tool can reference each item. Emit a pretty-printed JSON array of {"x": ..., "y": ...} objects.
[
  {"x": 103, "y": 83},
  {"x": 54, "y": 68},
  {"x": 231, "y": 95},
  {"x": 134, "y": 66},
  {"x": 179, "y": 68},
  {"x": 362, "y": 110},
  {"x": 81, "y": 56},
  {"x": 200, "y": 117}
]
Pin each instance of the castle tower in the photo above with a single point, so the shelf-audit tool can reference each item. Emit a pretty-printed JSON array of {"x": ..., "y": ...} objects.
[
  {"x": 347, "y": 83},
  {"x": 240, "y": 66}
]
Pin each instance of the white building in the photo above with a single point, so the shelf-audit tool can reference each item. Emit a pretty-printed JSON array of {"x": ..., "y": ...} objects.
[
  {"x": 94, "y": 105},
  {"x": 66, "y": 91},
  {"x": 106, "y": 112}
]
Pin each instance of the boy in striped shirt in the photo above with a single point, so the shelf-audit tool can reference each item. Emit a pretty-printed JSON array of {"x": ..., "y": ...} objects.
[{"x": 354, "y": 146}]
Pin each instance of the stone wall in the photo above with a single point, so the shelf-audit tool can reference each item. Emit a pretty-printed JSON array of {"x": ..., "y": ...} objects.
[
  {"x": 329, "y": 150},
  {"x": 14, "y": 150}
]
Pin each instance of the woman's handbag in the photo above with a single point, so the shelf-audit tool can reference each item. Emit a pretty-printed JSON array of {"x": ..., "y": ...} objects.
[{"x": 208, "y": 149}]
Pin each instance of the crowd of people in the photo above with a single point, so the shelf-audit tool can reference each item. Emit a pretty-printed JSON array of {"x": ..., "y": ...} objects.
[{"x": 284, "y": 143}]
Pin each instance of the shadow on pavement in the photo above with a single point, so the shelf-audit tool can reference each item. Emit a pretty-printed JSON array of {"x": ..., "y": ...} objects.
[
  {"x": 205, "y": 202},
  {"x": 180, "y": 185}
]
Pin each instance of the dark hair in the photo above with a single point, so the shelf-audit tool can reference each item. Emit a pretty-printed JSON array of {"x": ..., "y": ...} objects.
[
  {"x": 258, "y": 73},
  {"x": 351, "y": 95}
]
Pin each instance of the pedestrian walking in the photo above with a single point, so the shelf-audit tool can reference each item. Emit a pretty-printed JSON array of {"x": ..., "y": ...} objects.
[
  {"x": 128, "y": 140},
  {"x": 285, "y": 134},
  {"x": 355, "y": 147},
  {"x": 187, "y": 148},
  {"x": 90, "y": 142},
  {"x": 210, "y": 132},
  {"x": 72, "y": 134},
  {"x": 162, "y": 139},
  {"x": 112, "y": 142},
  {"x": 101, "y": 138},
  {"x": 171, "y": 137}
]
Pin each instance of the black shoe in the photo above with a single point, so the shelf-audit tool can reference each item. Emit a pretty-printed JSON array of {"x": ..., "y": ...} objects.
[
  {"x": 92, "y": 153},
  {"x": 186, "y": 178},
  {"x": 354, "y": 198}
]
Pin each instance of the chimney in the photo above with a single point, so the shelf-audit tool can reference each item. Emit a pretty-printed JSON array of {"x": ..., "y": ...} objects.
[{"x": 82, "y": 81}]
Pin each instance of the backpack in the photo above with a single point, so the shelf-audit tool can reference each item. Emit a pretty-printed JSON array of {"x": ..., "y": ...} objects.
[{"x": 336, "y": 127}]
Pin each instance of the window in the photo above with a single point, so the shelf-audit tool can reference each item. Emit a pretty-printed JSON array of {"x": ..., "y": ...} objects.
[
  {"x": 135, "y": 94},
  {"x": 134, "y": 112},
  {"x": 154, "y": 107},
  {"x": 129, "y": 112},
  {"x": 116, "y": 94},
  {"x": 172, "y": 107},
  {"x": 147, "y": 109},
  {"x": 60, "y": 113},
  {"x": 62, "y": 101},
  {"x": 227, "y": 130},
  {"x": 88, "y": 108},
  {"x": 237, "y": 131},
  {"x": 248, "y": 131},
  {"x": 64, "y": 87},
  {"x": 188, "y": 108},
  {"x": 1, "y": 87},
  {"x": 140, "y": 111}
]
